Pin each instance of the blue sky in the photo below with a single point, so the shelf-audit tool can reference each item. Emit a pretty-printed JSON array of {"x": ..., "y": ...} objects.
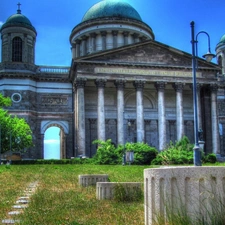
[{"x": 169, "y": 19}]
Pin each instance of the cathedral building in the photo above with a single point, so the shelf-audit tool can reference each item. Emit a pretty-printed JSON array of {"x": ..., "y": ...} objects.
[{"x": 122, "y": 85}]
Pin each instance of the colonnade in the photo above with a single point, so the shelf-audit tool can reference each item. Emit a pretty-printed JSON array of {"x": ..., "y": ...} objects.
[
  {"x": 139, "y": 86},
  {"x": 104, "y": 40}
]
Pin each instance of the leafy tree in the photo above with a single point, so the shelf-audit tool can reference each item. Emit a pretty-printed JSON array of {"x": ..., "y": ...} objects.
[{"x": 15, "y": 132}]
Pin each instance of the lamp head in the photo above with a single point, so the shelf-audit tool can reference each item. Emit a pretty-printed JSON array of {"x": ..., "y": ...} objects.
[{"x": 208, "y": 56}]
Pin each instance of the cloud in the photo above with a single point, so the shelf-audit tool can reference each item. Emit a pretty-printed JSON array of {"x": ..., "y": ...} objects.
[{"x": 51, "y": 141}]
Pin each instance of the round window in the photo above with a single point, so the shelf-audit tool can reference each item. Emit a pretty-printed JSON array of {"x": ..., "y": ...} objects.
[{"x": 16, "y": 97}]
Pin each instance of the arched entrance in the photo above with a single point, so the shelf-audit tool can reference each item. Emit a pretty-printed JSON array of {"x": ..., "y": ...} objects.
[
  {"x": 52, "y": 143},
  {"x": 54, "y": 139}
]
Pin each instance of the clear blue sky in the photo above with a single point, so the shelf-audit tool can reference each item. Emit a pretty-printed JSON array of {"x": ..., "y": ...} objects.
[{"x": 169, "y": 19}]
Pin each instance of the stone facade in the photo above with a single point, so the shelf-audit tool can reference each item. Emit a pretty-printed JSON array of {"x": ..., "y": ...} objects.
[{"x": 122, "y": 85}]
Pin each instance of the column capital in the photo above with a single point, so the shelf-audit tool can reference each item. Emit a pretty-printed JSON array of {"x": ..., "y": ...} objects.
[
  {"x": 139, "y": 84},
  {"x": 125, "y": 33},
  {"x": 100, "y": 83},
  {"x": 213, "y": 88},
  {"x": 160, "y": 85},
  {"x": 120, "y": 84},
  {"x": 78, "y": 41},
  {"x": 103, "y": 33},
  {"x": 178, "y": 87},
  {"x": 114, "y": 32},
  {"x": 80, "y": 82},
  {"x": 93, "y": 35},
  {"x": 84, "y": 37},
  {"x": 198, "y": 86}
]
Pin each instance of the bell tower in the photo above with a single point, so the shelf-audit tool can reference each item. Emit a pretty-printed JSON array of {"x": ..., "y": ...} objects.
[{"x": 18, "y": 39}]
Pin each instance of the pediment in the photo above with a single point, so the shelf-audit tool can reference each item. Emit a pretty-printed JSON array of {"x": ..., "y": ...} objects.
[{"x": 149, "y": 53}]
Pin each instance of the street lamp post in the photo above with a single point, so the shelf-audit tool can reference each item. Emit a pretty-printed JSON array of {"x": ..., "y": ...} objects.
[{"x": 208, "y": 56}]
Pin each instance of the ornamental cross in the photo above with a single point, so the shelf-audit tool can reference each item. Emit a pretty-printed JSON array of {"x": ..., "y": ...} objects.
[{"x": 19, "y": 5}]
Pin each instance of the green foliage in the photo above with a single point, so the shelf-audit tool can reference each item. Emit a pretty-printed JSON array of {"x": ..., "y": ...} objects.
[
  {"x": 143, "y": 153},
  {"x": 180, "y": 153},
  {"x": 4, "y": 101},
  {"x": 15, "y": 132},
  {"x": 106, "y": 153}
]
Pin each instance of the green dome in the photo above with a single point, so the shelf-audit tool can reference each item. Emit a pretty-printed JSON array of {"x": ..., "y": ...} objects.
[
  {"x": 111, "y": 8},
  {"x": 18, "y": 20}
]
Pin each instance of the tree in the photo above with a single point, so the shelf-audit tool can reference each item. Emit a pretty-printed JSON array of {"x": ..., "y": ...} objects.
[{"x": 15, "y": 132}]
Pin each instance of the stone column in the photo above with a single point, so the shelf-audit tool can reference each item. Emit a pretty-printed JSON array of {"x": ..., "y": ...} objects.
[
  {"x": 73, "y": 50},
  {"x": 139, "y": 85},
  {"x": 84, "y": 45},
  {"x": 125, "y": 35},
  {"x": 199, "y": 112},
  {"x": 100, "y": 83},
  {"x": 160, "y": 86},
  {"x": 25, "y": 50},
  {"x": 80, "y": 111},
  {"x": 103, "y": 34},
  {"x": 179, "y": 109},
  {"x": 214, "y": 119},
  {"x": 136, "y": 37},
  {"x": 93, "y": 44},
  {"x": 114, "y": 33},
  {"x": 120, "y": 84},
  {"x": 77, "y": 48}
]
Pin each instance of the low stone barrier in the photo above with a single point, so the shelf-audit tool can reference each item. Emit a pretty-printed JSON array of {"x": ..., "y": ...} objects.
[
  {"x": 91, "y": 179},
  {"x": 196, "y": 192},
  {"x": 106, "y": 190}
]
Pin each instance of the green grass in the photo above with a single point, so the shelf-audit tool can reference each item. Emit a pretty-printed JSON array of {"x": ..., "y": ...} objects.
[{"x": 60, "y": 200}]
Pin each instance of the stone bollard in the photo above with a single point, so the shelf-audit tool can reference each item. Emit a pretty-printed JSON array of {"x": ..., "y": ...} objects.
[
  {"x": 195, "y": 192},
  {"x": 92, "y": 179},
  {"x": 106, "y": 190}
]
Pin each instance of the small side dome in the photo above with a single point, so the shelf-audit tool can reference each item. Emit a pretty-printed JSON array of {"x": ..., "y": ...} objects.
[
  {"x": 18, "y": 20},
  {"x": 111, "y": 8},
  {"x": 221, "y": 42}
]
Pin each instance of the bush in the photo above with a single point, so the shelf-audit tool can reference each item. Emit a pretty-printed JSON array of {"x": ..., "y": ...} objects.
[
  {"x": 180, "y": 153},
  {"x": 106, "y": 153},
  {"x": 143, "y": 153}
]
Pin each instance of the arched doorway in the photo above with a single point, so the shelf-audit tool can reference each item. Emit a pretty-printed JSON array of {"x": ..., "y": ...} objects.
[{"x": 52, "y": 143}]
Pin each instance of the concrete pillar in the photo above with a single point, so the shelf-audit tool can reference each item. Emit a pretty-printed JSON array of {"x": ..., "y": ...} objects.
[
  {"x": 103, "y": 34},
  {"x": 125, "y": 35},
  {"x": 214, "y": 119},
  {"x": 93, "y": 42},
  {"x": 73, "y": 50},
  {"x": 160, "y": 86},
  {"x": 120, "y": 84},
  {"x": 77, "y": 48},
  {"x": 100, "y": 83},
  {"x": 115, "y": 33},
  {"x": 80, "y": 111},
  {"x": 139, "y": 85},
  {"x": 84, "y": 45},
  {"x": 179, "y": 109}
]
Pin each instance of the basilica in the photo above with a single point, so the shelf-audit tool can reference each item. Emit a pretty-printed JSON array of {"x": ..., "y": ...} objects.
[{"x": 122, "y": 85}]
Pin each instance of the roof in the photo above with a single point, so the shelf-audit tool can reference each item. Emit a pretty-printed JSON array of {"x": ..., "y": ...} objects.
[{"x": 111, "y": 8}]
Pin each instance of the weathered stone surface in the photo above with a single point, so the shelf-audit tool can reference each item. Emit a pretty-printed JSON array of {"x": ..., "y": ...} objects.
[
  {"x": 197, "y": 190},
  {"x": 92, "y": 179}
]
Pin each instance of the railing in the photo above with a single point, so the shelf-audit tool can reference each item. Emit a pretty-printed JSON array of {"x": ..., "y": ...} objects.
[{"x": 53, "y": 69}]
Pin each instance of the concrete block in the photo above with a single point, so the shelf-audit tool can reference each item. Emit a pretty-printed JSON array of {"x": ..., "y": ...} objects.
[
  {"x": 105, "y": 190},
  {"x": 195, "y": 191},
  {"x": 92, "y": 179}
]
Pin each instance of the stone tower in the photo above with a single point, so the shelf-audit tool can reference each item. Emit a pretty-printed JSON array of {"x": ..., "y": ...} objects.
[
  {"x": 18, "y": 39},
  {"x": 220, "y": 53}
]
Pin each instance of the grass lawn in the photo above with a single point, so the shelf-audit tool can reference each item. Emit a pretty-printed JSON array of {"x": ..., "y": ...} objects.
[{"x": 60, "y": 200}]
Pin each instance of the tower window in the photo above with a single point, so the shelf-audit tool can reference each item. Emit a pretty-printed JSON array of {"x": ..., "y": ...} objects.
[{"x": 17, "y": 49}]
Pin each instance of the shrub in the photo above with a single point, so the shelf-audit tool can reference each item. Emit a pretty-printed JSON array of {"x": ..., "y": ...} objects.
[
  {"x": 143, "y": 153},
  {"x": 180, "y": 153},
  {"x": 106, "y": 153}
]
